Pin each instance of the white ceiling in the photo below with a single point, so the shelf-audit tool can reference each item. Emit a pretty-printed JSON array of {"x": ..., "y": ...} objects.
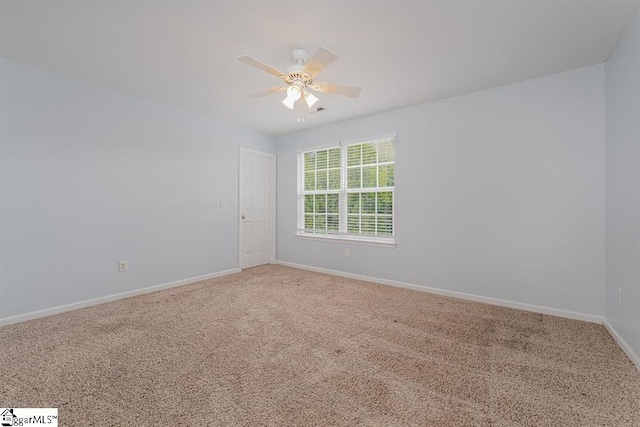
[{"x": 184, "y": 53}]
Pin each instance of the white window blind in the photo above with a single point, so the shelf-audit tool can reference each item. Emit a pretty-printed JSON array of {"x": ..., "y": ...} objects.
[{"x": 347, "y": 191}]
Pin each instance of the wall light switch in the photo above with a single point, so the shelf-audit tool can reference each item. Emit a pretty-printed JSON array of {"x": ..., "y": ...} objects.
[{"x": 223, "y": 203}]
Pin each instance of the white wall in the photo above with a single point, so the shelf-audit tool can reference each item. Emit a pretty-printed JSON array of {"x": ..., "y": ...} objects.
[
  {"x": 623, "y": 187},
  {"x": 92, "y": 177},
  {"x": 500, "y": 193}
]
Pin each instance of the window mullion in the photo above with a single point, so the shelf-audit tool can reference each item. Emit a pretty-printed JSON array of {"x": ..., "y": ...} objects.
[{"x": 343, "y": 194}]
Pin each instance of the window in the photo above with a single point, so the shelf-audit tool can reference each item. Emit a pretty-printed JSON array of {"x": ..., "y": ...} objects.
[{"x": 347, "y": 191}]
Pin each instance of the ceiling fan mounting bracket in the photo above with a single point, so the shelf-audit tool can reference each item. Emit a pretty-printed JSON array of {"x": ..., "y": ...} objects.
[{"x": 299, "y": 56}]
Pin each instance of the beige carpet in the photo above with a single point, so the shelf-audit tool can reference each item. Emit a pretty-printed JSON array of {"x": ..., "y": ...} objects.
[{"x": 280, "y": 346}]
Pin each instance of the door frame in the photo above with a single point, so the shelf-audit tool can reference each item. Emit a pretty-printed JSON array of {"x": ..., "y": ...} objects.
[{"x": 272, "y": 203}]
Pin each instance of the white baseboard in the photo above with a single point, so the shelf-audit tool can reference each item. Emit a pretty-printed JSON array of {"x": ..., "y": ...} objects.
[
  {"x": 101, "y": 300},
  {"x": 471, "y": 297},
  {"x": 622, "y": 343}
]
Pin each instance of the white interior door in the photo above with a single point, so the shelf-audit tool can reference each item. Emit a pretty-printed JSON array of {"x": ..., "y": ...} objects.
[{"x": 257, "y": 207}]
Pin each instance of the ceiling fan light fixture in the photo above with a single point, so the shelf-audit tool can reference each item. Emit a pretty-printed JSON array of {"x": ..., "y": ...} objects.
[
  {"x": 310, "y": 99},
  {"x": 288, "y": 102},
  {"x": 293, "y": 94}
]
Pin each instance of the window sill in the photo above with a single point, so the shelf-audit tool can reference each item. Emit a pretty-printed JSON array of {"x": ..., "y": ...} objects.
[{"x": 390, "y": 243}]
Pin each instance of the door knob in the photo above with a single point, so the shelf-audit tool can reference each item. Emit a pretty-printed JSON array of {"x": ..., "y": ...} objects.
[{"x": 243, "y": 217}]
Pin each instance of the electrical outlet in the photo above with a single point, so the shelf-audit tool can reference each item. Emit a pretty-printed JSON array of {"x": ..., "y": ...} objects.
[
  {"x": 122, "y": 266},
  {"x": 347, "y": 252},
  {"x": 619, "y": 295},
  {"x": 223, "y": 204}
]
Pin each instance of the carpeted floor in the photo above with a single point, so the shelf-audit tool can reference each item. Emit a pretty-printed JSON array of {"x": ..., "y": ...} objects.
[{"x": 280, "y": 346}]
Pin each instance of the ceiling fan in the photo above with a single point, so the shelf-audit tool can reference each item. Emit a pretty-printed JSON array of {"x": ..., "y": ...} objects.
[{"x": 299, "y": 78}]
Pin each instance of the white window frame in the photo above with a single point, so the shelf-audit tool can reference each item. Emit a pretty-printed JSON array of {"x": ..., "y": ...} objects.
[{"x": 343, "y": 235}]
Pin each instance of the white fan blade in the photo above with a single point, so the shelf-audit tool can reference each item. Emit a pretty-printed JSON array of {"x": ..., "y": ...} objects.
[
  {"x": 319, "y": 61},
  {"x": 350, "y": 91},
  {"x": 267, "y": 92},
  {"x": 252, "y": 61}
]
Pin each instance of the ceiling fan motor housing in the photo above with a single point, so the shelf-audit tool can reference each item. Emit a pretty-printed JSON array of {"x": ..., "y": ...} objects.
[
  {"x": 299, "y": 57},
  {"x": 301, "y": 80}
]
